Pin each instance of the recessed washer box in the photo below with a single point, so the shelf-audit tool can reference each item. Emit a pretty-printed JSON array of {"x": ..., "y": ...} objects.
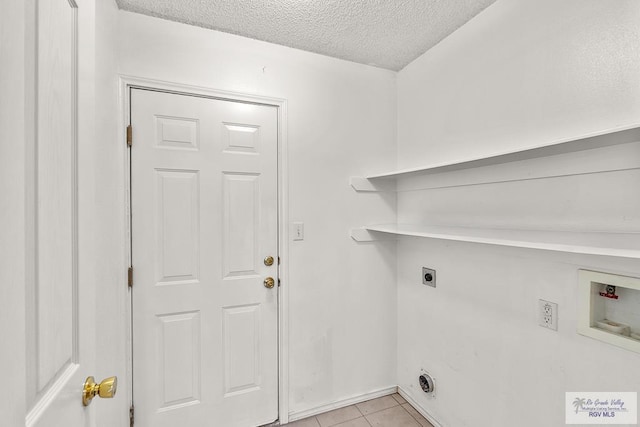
[{"x": 609, "y": 308}]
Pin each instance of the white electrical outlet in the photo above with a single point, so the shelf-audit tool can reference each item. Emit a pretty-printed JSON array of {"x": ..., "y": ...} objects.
[{"x": 548, "y": 314}]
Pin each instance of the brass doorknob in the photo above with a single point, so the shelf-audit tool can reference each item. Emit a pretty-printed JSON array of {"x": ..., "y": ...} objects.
[
  {"x": 106, "y": 389},
  {"x": 269, "y": 282},
  {"x": 268, "y": 261}
]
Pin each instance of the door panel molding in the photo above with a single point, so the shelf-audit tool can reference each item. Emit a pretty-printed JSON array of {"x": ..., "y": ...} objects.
[
  {"x": 52, "y": 284},
  {"x": 132, "y": 82}
]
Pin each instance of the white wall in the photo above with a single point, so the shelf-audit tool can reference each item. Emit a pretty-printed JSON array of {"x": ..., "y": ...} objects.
[
  {"x": 341, "y": 122},
  {"x": 519, "y": 74}
]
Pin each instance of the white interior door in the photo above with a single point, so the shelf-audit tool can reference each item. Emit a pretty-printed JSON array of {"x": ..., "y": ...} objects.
[
  {"x": 204, "y": 217},
  {"x": 60, "y": 325}
]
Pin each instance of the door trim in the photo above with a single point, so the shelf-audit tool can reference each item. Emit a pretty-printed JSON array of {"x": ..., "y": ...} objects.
[{"x": 126, "y": 83}]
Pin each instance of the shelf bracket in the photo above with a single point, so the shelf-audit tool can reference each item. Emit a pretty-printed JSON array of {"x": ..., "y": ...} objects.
[
  {"x": 363, "y": 235},
  {"x": 360, "y": 183}
]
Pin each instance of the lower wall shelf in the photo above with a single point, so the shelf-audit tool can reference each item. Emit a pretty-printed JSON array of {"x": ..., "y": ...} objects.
[{"x": 617, "y": 244}]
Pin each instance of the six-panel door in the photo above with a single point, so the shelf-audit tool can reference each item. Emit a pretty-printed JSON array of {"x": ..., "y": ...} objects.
[{"x": 204, "y": 216}]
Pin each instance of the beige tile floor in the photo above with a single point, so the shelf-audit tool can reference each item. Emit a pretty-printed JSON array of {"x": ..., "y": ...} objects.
[{"x": 387, "y": 411}]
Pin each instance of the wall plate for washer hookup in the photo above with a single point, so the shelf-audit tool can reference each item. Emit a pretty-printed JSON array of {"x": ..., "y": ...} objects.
[{"x": 428, "y": 277}]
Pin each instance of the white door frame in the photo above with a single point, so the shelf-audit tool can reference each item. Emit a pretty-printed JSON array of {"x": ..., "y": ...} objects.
[{"x": 131, "y": 82}]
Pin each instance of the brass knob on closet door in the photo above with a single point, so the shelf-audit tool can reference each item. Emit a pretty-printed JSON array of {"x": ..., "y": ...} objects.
[
  {"x": 106, "y": 389},
  {"x": 269, "y": 282},
  {"x": 268, "y": 261}
]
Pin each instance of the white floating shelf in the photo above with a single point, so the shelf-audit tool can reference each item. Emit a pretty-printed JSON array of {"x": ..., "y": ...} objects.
[
  {"x": 623, "y": 244},
  {"x": 616, "y": 136}
]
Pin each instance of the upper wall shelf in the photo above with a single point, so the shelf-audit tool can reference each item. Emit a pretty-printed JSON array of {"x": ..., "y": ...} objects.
[
  {"x": 616, "y": 136},
  {"x": 624, "y": 244}
]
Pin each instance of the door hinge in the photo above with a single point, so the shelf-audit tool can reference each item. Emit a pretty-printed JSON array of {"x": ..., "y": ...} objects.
[
  {"x": 130, "y": 277},
  {"x": 131, "y": 416},
  {"x": 129, "y": 136}
]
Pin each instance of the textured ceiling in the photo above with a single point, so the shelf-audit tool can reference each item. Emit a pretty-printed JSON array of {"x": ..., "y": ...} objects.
[{"x": 384, "y": 33}]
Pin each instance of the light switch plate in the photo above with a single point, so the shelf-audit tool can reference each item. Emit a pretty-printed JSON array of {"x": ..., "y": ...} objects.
[{"x": 297, "y": 230}]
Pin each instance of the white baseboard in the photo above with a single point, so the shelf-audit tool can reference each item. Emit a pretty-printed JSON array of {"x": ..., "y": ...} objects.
[
  {"x": 298, "y": 415},
  {"x": 418, "y": 408}
]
